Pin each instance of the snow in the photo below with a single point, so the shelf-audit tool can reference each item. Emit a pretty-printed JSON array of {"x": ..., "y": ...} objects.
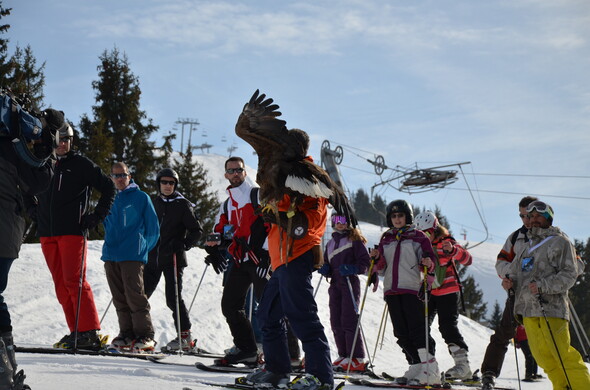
[{"x": 38, "y": 320}]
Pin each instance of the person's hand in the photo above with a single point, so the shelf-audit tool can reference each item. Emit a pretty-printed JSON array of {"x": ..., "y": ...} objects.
[
  {"x": 534, "y": 289},
  {"x": 374, "y": 254},
  {"x": 325, "y": 270},
  {"x": 427, "y": 262},
  {"x": 263, "y": 267},
  {"x": 90, "y": 221},
  {"x": 348, "y": 269},
  {"x": 507, "y": 284},
  {"x": 448, "y": 247},
  {"x": 217, "y": 261}
]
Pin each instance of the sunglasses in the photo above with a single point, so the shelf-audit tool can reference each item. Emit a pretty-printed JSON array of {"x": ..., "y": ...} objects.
[
  {"x": 339, "y": 219},
  {"x": 540, "y": 207},
  {"x": 231, "y": 171},
  {"x": 523, "y": 215},
  {"x": 64, "y": 139},
  {"x": 168, "y": 182},
  {"x": 119, "y": 175}
]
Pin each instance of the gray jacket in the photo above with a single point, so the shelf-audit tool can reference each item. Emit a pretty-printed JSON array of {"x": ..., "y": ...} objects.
[{"x": 555, "y": 269}]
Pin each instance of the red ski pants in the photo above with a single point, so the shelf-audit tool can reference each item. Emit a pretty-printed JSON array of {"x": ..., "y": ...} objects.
[{"x": 63, "y": 255}]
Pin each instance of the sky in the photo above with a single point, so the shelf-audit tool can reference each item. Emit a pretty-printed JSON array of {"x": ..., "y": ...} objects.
[
  {"x": 503, "y": 85},
  {"x": 38, "y": 320}
]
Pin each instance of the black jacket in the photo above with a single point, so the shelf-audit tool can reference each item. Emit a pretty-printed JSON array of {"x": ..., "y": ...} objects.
[
  {"x": 16, "y": 179},
  {"x": 67, "y": 199},
  {"x": 179, "y": 229}
]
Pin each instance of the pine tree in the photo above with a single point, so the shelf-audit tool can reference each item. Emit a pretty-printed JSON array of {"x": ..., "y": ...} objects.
[
  {"x": 26, "y": 77},
  {"x": 5, "y": 63},
  {"x": 117, "y": 115},
  {"x": 475, "y": 307},
  {"x": 496, "y": 316},
  {"x": 194, "y": 185}
]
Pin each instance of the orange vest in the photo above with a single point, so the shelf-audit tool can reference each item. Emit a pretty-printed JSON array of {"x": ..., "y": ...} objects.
[{"x": 315, "y": 209}]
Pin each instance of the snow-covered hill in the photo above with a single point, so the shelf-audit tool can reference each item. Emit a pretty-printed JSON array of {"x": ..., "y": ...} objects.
[{"x": 38, "y": 319}]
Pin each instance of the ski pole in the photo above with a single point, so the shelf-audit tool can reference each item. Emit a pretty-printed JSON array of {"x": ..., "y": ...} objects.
[
  {"x": 177, "y": 295},
  {"x": 106, "y": 310},
  {"x": 541, "y": 302},
  {"x": 317, "y": 288},
  {"x": 251, "y": 301},
  {"x": 198, "y": 287},
  {"x": 80, "y": 284},
  {"x": 512, "y": 298},
  {"x": 426, "y": 326},
  {"x": 381, "y": 329},
  {"x": 28, "y": 231},
  {"x": 358, "y": 325},
  {"x": 362, "y": 307}
]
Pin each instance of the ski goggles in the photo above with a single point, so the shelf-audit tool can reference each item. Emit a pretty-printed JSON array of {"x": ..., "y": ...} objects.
[
  {"x": 527, "y": 264},
  {"x": 540, "y": 207},
  {"x": 341, "y": 219}
]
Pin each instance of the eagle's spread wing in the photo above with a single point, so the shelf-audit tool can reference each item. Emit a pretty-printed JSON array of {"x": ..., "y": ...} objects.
[{"x": 282, "y": 164}]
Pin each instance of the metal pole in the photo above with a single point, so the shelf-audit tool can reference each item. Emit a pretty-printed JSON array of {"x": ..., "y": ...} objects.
[
  {"x": 579, "y": 329},
  {"x": 177, "y": 303},
  {"x": 356, "y": 333},
  {"x": 356, "y": 310},
  {"x": 427, "y": 326},
  {"x": 381, "y": 329},
  {"x": 541, "y": 301},
  {"x": 198, "y": 287},
  {"x": 106, "y": 310},
  {"x": 317, "y": 288},
  {"x": 80, "y": 283}
]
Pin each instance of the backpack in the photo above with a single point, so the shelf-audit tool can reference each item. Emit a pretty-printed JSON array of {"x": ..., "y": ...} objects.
[{"x": 253, "y": 200}]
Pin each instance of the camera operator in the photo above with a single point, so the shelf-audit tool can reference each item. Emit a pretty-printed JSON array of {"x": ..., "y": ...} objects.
[{"x": 18, "y": 180}]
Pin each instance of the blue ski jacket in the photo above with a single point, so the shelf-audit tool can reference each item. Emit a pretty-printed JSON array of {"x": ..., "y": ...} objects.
[{"x": 131, "y": 228}]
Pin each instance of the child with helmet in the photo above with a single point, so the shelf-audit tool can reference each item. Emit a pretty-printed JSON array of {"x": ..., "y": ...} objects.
[
  {"x": 345, "y": 257},
  {"x": 403, "y": 255},
  {"x": 444, "y": 296}
]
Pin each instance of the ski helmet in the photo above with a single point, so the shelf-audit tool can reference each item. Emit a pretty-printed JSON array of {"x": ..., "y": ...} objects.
[
  {"x": 66, "y": 130},
  {"x": 399, "y": 206},
  {"x": 167, "y": 172},
  {"x": 426, "y": 221}
]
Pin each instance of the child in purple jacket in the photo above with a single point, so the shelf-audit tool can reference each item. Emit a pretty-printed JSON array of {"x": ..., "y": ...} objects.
[{"x": 345, "y": 257}]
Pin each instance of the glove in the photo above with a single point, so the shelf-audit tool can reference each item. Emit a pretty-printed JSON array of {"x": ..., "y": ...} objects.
[
  {"x": 90, "y": 221},
  {"x": 325, "y": 270},
  {"x": 216, "y": 259},
  {"x": 187, "y": 246},
  {"x": 263, "y": 266},
  {"x": 348, "y": 269},
  {"x": 177, "y": 245},
  {"x": 374, "y": 280}
]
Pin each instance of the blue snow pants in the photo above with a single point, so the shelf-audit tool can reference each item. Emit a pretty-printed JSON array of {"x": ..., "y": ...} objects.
[{"x": 289, "y": 294}]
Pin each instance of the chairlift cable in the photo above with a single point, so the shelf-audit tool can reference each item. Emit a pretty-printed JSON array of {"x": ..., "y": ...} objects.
[
  {"x": 524, "y": 194},
  {"x": 478, "y": 212},
  {"x": 530, "y": 175}
]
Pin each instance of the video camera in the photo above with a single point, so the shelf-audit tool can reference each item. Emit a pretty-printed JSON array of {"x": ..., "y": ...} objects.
[{"x": 23, "y": 124}]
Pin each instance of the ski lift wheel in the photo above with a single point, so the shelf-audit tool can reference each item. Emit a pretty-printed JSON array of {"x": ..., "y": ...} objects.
[
  {"x": 379, "y": 165},
  {"x": 339, "y": 154},
  {"x": 326, "y": 145}
]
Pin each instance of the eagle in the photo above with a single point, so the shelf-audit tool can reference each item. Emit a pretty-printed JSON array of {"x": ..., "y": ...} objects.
[{"x": 283, "y": 164}]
